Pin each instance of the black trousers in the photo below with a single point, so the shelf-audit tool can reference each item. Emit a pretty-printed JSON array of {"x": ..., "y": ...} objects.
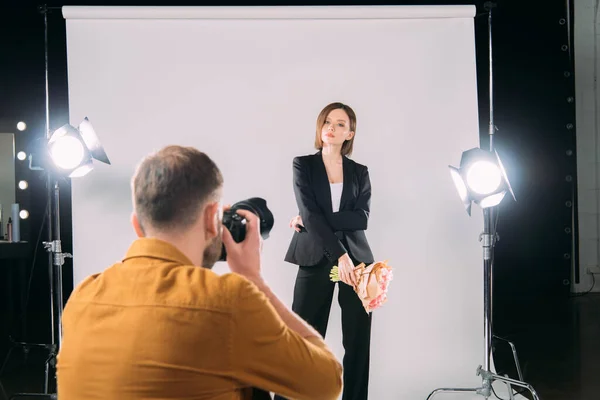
[{"x": 313, "y": 295}]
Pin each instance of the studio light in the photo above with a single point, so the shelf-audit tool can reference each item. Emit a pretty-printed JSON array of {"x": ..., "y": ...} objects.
[
  {"x": 481, "y": 179},
  {"x": 72, "y": 150}
]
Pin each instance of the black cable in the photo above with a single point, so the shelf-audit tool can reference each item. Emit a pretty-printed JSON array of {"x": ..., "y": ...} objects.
[
  {"x": 589, "y": 291},
  {"x": 495, "y": 394},
  {"x": 517, "y": 393}
]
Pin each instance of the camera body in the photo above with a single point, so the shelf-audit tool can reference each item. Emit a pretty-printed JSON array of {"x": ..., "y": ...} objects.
[{"x": 236, "y": 224}]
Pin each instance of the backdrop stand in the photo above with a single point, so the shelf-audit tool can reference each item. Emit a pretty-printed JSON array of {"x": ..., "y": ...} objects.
[{"x": 488, "y": 238}]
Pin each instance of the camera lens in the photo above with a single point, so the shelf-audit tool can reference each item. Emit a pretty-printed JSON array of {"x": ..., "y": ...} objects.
[{"x": 236, "y": 224}]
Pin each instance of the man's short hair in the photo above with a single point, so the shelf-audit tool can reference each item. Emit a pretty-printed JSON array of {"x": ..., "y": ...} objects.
[{"x": 171, "y": 186}]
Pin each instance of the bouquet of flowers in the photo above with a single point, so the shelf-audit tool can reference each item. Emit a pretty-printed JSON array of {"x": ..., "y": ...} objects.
[{"x": 372, "y": 283}]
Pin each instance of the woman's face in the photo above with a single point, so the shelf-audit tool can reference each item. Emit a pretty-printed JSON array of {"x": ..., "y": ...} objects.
[{"x": 336, "y": 129}]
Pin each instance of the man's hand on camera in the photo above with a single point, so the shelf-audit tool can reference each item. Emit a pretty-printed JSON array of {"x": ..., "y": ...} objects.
[{"x": 244, "y": 258}]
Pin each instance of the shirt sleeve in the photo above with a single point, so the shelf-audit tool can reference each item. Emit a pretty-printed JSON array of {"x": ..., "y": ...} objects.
[
  {"x": 357, "y": 219},
  {"x": 270, "y": 356},
  {"x": 313, "y": 218}
]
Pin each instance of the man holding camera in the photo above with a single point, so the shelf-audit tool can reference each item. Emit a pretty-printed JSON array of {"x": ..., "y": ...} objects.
[{"x": 157, "y": 325}]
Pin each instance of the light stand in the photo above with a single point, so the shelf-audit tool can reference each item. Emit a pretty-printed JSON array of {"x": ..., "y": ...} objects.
[
  {"x": 53, "y": 246},
  {"x": 90, "y": 147},
  {"x": 488, "y": 238},
  {"x": 55, "y": 255},
  {"x": 56, "y": 262}
]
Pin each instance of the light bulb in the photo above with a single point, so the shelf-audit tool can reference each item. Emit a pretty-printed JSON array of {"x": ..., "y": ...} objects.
[
  {"x": 67, "y": 152},
  {"x": 484, "y": 177}
]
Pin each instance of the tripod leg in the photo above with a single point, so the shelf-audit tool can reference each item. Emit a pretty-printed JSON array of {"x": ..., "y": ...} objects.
[
  {"x": 3, "y": 391},
  {"x": 514, "y": 382},
  {"x": 46, "y": 376},
  {"x": 515, "y": 357},
  {"x": 6, "y": 359},
  {"x": 45, "y": 395},
  {"x": 50, "y": 362},
  {"x": 514, "y": 351},
  {"x": 451, "y": 390}
]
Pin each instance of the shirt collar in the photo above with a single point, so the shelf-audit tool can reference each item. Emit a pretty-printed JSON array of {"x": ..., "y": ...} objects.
[{"x": 156, "y": 248}]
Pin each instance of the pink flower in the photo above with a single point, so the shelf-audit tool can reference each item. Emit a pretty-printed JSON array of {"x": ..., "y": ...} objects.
[{"x": 373, "y": 283}]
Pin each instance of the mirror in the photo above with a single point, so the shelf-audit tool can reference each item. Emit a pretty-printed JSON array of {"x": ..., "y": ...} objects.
[{"x": 7, "y": 178}]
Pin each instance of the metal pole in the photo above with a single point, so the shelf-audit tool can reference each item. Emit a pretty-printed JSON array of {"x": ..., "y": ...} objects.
[
  {"x": 53, "y": 227},
  {"x": 58, "y": 264},
  {"x": 49, "y": 180},
  {"x": 489, "y": 230},
  {"x": 44, "y": 9},
  {"x": 489, "y": 6},
  {"x": 487, "y": 287}
]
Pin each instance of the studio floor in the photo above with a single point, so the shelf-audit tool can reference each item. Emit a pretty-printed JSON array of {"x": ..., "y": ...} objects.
[
  {"x": 559, "y": 350},
  {"x": 562, "y": 349}
]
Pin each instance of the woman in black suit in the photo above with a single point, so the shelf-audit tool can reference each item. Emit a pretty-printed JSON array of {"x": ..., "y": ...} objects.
[{"x": 333, "y": 195}]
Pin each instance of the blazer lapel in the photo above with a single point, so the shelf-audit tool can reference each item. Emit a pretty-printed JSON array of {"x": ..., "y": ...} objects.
[
  {"x": 322, "y": 182},
  {"x": 348, "y": 182}
]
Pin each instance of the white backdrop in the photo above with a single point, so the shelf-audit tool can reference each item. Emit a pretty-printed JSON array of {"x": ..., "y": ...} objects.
[{"x": 245, "y": 85}]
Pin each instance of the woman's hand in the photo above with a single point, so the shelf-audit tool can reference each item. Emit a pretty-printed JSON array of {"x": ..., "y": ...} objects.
[
  {"x": 297, "y": 220},
  {"x": 346, "y": 270}
]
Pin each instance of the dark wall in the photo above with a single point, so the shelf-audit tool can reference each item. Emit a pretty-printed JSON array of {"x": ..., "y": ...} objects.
[
  {"x": 536, "y": 138},
  {"x": 536, "y": 120}
]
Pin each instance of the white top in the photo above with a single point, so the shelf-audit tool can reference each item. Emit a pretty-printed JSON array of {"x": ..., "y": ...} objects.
[{"x": 336, "y": 195}]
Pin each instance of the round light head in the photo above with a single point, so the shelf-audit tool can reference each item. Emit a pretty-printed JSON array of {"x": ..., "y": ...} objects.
[
  {"x": 67, "y": 152},
  {"x": 21, "y": 126},
  {"x": 484, "y": 177},
  {"x": 21, "y": 155}
]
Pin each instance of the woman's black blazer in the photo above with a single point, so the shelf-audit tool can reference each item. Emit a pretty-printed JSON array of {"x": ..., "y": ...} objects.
[{"x": 326, "y": 231}]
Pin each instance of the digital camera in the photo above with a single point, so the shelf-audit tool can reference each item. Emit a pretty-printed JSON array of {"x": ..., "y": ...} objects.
[{"x": 236, "y": 224}]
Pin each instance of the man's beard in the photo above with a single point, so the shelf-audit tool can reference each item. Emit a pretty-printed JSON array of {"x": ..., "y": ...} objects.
[{"x": 212, "y": 252}]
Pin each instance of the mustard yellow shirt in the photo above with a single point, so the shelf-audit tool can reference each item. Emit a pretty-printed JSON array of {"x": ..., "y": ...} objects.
[{"x": 156, "y": 327}]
